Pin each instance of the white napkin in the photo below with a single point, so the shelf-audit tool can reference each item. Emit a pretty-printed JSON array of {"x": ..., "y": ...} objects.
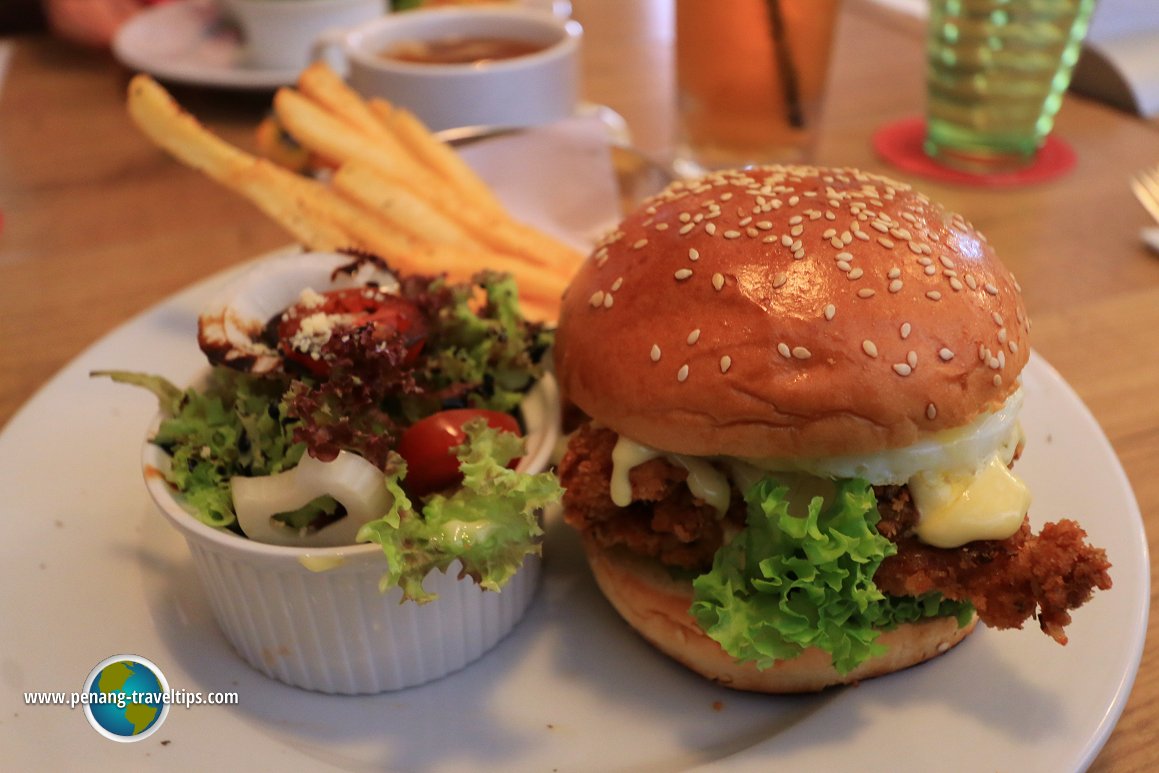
[{"x": 558, "y": 178}]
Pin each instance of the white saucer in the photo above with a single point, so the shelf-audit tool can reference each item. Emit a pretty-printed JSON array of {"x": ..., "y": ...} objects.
[{"x": 188, "y": 41}]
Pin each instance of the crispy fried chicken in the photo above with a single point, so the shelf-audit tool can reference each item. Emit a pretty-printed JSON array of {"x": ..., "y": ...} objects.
[{"x": 1008, "y": 581}]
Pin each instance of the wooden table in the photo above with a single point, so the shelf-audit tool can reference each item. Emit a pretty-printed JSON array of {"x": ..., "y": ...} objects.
[{"x": 99, "y": 225}]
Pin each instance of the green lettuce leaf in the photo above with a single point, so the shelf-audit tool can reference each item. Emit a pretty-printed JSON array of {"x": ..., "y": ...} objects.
[
  {"x": 489, "y": 524},
  {"x": 236, "y": 425},
  {"x": 811, "y": 583}
]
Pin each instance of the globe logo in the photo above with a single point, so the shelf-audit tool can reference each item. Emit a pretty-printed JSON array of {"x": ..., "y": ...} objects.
[{"x": 125, "y": 698}]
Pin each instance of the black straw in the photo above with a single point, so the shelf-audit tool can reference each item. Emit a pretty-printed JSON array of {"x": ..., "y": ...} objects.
[{"x": 785, "y": 66}]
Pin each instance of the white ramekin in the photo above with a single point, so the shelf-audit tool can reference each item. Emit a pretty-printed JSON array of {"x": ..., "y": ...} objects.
[{"x": 315, "y": 618}]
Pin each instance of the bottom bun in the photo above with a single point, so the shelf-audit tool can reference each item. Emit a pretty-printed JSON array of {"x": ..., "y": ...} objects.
[{"x": 657, "y": 607}]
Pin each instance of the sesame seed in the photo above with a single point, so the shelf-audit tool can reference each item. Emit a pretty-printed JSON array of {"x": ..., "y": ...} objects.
[
  {"x": 639, "y": 243},
  {"x": 830, "y": 311},
  {"x": 1001, "y": 335},
  {"x": 836, "y": 242},
  {"x": 655, "y": 353},
  {"x": 661, "y": 226},
  {"x": 794, "y": 200},
  {"x": 880, "y": 226},
  {"x": 894, "y": 273},
  {"x": 683, "y": 273},
  {"x": 597, "y": 298},
  {"x": 930, "y": 270},
  {"x": 844, "y": 265},
  {"x": 971, "y": 282},
  {"x": 904, "y": 330},
  {"x": 997, "y": 319},
  {"x": 797, "y": 230},
  {"x": 796, "y": 220},
  {"x": 686, "y": 228},
  {"x": 801, "y": 353},
  {"x": 990, "y": 288},
  {"x": 931, "y": 411},
  {"x": 725, "y": 363},
  {"x": 764, "y": 225},
  {"x": 694, "y": 254},
  {"x": 915, "y": 248},
  {"x": 846, "y": 238},
  {"x": 829, "y": 233},
  {"x": 784, "y": 350},
  {"x": 934, "y": 295},
  {"x": 869, "y": 347},
  {"x": 710, "y": 229},
  {"x": 902, "y": 369},
  {"x": 865, "y": 292},
  {"x": 895, "y": 286},
  {"x": 616, "y": 285},
  {"x": 682, "y": 374},
  {"x": 694, "y": 336},
  {"x": 955, "y": 284},
  {"x": 780, "y": 279},
  {"x": 718, "y": 281},
  {"x": 732, "y": 234},
  {"x": 945, "y": 354},
  {"x": 884, "y": 242},
  {"x": 856, "y": 273},
  {"x": 911, "y": 358},
  {"x": 1013, "y": 346},
  {"x": 608, "y": 301},
  {"x": 997, "y": 380},
  {"x": 786, "y": 241}
]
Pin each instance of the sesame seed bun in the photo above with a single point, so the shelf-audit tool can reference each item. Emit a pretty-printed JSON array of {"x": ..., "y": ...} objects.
[
  {"x": 656, "y": 606},
  {"x": 790, "y": 312}
]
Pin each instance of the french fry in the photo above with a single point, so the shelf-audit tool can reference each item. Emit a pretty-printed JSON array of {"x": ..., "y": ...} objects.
[
  {"x": 437, "y": 155},
  {"x": 291, "y": 201},
  {"x": 397, "y": 205},
  {"x": 324, "y": 86},
  {"x": 397, "y": 192},
  {"x": 311, "y": 125}
]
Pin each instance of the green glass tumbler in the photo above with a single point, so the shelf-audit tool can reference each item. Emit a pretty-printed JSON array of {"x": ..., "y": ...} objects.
[{"x": 996, "y": 76}]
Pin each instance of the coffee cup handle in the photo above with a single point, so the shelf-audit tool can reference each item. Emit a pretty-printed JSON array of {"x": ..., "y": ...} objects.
[{"x": 328, "y": 48}]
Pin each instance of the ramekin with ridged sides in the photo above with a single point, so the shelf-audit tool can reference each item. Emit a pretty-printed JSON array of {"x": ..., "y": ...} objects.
[{"x": 315, "y": 618}]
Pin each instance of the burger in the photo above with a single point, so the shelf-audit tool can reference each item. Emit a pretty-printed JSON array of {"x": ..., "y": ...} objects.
[{"x": 795, "y": 395}]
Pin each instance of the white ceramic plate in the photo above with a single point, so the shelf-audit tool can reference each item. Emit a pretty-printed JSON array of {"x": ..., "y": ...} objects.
[
  {"x": 88, "y": 569},
  {"x": 188, "y": 41}
]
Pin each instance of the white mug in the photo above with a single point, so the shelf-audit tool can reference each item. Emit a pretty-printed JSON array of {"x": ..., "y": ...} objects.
[
  {"x": 526, "y": 90},
  {"x": 280, "y": 34}
]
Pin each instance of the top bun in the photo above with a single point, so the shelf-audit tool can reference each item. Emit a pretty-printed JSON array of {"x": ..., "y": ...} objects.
[{"x": 790, "y": 312}]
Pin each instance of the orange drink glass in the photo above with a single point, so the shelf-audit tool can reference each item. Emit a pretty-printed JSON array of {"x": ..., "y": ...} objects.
[{"x": 750, "y": 78}]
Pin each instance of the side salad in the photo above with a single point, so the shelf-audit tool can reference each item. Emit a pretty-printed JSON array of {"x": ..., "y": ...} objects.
[{"x": 383, "y": 411}]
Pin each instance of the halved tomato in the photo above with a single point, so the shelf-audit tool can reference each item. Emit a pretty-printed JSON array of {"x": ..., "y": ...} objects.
[
  {"x": 426, "y": 446},
  {"x": 303, "y": 327}
]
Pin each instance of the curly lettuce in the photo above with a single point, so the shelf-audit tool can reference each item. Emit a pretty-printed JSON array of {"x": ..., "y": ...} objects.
[
  {"x": 489, "y": 524},
  {"x": 809, "y": 582},
  {"x": 237, "y": 425}
]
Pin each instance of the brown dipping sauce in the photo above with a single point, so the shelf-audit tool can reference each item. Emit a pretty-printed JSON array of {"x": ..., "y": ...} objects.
[{"x": 460, "y": 50}]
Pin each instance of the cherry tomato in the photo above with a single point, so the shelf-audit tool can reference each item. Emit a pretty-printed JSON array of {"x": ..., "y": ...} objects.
[
  {"x": 426, "y": 446},
  {"x": 349, "y": 308}
]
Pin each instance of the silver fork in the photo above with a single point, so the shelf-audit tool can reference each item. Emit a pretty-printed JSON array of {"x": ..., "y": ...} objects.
[{"x": 1145, "y": 186}]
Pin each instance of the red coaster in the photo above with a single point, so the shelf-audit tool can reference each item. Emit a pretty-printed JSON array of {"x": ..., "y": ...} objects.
[{"x": 900, "y": 144}]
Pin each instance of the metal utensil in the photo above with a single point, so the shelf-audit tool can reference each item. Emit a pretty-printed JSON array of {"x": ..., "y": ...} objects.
[{"x": 1145, "y": 186}]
